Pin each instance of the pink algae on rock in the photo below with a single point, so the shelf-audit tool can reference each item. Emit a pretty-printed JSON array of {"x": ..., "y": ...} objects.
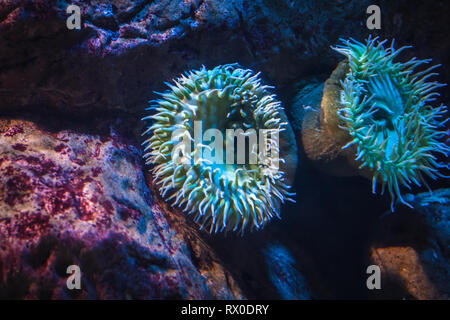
[{"x": 59, "y": 206}]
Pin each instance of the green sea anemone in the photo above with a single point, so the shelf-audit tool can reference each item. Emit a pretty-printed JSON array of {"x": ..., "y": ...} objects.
[
  {"x": 387, "y": 109},
  {"x": 223, "y": 194}
]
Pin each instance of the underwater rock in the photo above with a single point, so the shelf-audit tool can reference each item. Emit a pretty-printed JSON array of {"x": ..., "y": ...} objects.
[
  {"x": 126, "y": 49},
  {"x": 435, "y": 208},
  {"x": 404, "y": 275},
  {"x": 70, "y": 198},
  {"x": 290, "y": 282},
  {"x": 317, "y": 129},
  {"x": 271, "y": 264},
  {"x": 412, "y": 249}
]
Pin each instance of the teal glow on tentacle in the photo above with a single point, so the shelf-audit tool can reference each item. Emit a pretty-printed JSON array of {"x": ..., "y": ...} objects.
[
  {"x": 221, "y": 197},
  {"x": 387, "y": 111}
]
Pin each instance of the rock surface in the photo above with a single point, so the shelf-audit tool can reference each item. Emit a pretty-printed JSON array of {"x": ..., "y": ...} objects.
[
  {"x": 127, "y": 49},
  {"x": 412, "y": 249},
  {"x": 318, "y": 126},
  {"x": 68, "y": 198}
]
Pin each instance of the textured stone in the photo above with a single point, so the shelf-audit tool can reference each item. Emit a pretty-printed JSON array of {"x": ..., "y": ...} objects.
[
  {"x": 412, "y": 249},
  {"x": 291, "y": 284},
  {"x": 126, "y": 49},
  {"x": 435, "y": 209},
  {"x": 318, "y": 125},
  {"x": 402, "y": 267},
  {"x": 70, "y": 198}
]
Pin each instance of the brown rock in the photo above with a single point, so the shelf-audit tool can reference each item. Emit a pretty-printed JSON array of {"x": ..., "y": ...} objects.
[
  {"x": 412, "y": 249},
  {"x": 321, "y": 137},
  {"x": 403, "y": 265}
]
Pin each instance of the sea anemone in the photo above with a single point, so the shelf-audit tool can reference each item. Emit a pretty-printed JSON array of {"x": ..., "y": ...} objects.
[
  {"x": 376, "y": 118},
  {"x": 387, "y": 110},
  {"x": 222, "y": 195}
]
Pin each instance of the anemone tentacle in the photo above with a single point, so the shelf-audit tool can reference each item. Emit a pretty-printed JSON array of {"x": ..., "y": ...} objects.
[
  {"x": 388, "y": 112},
  {"x": 221, "y": 196}
]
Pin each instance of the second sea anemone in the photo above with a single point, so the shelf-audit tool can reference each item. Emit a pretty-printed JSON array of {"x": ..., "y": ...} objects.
[{"x": 381, "y": 115}]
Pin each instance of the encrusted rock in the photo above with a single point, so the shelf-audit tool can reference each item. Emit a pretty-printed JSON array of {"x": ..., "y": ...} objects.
[
  {"x": 412, "y": 249},
  {"x": 127, "y": 49},
  {"x": 68, "y": 198}
]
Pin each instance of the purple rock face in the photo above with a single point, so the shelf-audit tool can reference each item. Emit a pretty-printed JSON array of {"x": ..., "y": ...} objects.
[{"x": 75, "y": 199}]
